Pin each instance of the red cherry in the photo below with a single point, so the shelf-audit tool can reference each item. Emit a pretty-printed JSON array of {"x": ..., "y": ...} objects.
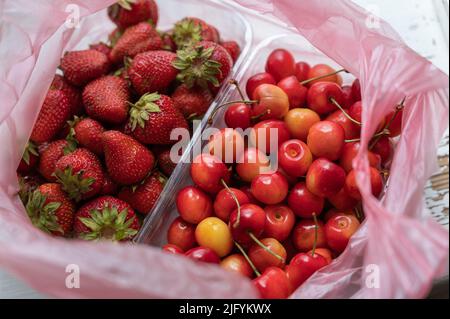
[
  {"x": 227, "y": 145},
  {"x": 208, "y": 172},
  {"x": 203, "y": 254},
  {"x": 181, "y": 234},
  {"x": 238, "y": 116},
  {"x": 302, "y": 71},
  {"x": 173, "y": 249},
  {"x": 349, "y": 153},
  {"x": 262, "y": 259},
  {"x": 356, "y": 90},
  {"x": 325, "y": 178},
  {"x": 348, "y": 96},
  {"x": 352, "y": 130},
  {"x": 280, "y": 220},
  {"x": 324, "y": 252},
  {"x": 321, "y": 70},
  {"x": 294, "y": 157},
  {"x": 334, "y": 212},
  {"x": 273, "y": 284},
  {"x": 396, "y": 125},
  {"x": 257, "y": 80},
  {"x": 303, "y": 266},
  {"x": 270, "y": 188},
  {"x": 294, "y": 90},
  {"x": 304, "y": 203},
  {"x": 248, "y": 191},
  {"x": 280, "y": 64},
  {"x": 262, "y": 135},
  {"x": 326, "y": 139},
  {"x": 375, "y": 180},
  {"x": 252, "y": 220},
  {"x": 273, "y": 102},
  {"x": 237, "y": 264},
  {"x": 252, "y": 163},
  {"x": 342, "y": 200},
  {"x": 320, "y": 95},
  {"x": 339, "y": 229},
  {"x": 383, "y": 147},
  {"x": 194, "y": 205},
  {"x": 225, "y": 204},
  {"x": 303, "y": 235},
  {"x": 355, "y": 111}
]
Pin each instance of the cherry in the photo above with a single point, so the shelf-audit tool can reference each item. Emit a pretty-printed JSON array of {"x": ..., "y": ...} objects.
[
  {"x": 257, "y": 80},
  {"x": 262, "y": 259},
  {"x": 209, "y": 173},
  {"x": 213, "y": 233},
  {"x": 237, "y": 264},
  {"x": 351, "y": 130},
  {"x": 294, "y": 157},
  {"x": 248, "y": 224},
  {"x": 173, "y": 249},
  {"x": 262, "y": 135},
  {"x": 395, "y": 118},
  {"x": 238, "y": 115},
  {"x": 355, "y": 111},
  {"x": 326, "y": 139},
  {"x": 376, "y": 182},
  {"x": 227, "y": 145},
  {"x": 280, "y": 220},
  {"x": 225, "y": 203},
  {"x": 193, "y": 204},
  {"x": 304, "y": 235},
  {"x": 325, "y": 178},
  {"x": 203, "y": 254},
  {"x": 342, "y": 200},
  {"x": 334, "y": 212},
  {"x": 270, "y": 188},
  {"x": 319, "y": 70},
  {"x": 304, "y": 203},
  {"x": 280, "y": 64},
  {"x": 324, "y": 252},
  {"x": 181, "y": 234},
  {"x": 348, "y": 96},
  {"x": 273, "y": 284},
  {"x": 349, "y": 153},
  {"x": 299, "y": 121},
  {"x": 302, "y": 71},
  {"x": 295, "y": 91},
  {"x": 321, "y": 95},
  {"x": 356, "y": 90},
  {"x": 383, "y": 147},
  {"x": 248, "y": 191},
  {"x": 289, "y": 178},
  {"x": 339, "y": 229},
  {"x": 272, "y": 102},
  {"x": 252, "y": 163},
  {"x": 303, "y": 266}
]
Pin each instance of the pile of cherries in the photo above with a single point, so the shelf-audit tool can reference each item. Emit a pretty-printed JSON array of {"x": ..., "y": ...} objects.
[{"x": 279, "y": 226}]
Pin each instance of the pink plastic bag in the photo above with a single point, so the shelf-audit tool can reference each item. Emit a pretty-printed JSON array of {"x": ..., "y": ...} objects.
[{"x": 408, "y": 251}]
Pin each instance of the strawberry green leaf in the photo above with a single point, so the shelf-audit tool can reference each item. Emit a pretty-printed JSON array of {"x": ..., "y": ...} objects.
[
  {"x": 74, "y": 184},
  {"x": 43, "y": 215},
  {"x": 140, "y": 111},
  {"x": 187, "y": 32},
  {"x": 31, "y": 148}
]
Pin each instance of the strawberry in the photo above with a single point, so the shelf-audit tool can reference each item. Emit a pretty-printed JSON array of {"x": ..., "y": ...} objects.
[
  {"x": 109, "y": 187},
  {"x": 139, "y": 38},
  {"x": 144, "y": 196},
  {"x": 193, "y": 101},
  {"x": 81, "y": 67},
  {"x": 49, "y": 156},
  {"x": 29, "y": 159},
  {"x": 233, "y": 49},
  {"x": 51, "y": 210},
  {"x": 206, "y": 63},
  {"x": 168, "y": 43},
  {"x": 27, "y": 185},
  {"x": 152, "y": 71},
  {"x": 80, "y": 174},
  {"x": 88, "y": 133},
  {"x": 106, "y": 99},
  {"x": 126, "y": 13},
  {"x": 107, "y": 218},
  {"x": 72, "y": 93},
  {"x": 114, "y": 36},
  {"x": 128, "y": 162},
  {"x": 165, "y": 163},
  {"x": 53, "y": 115},
  {"x": 153, "y": 118},
  {"x": 101, "y": 47},
  {"x": 190, "y": 31}
]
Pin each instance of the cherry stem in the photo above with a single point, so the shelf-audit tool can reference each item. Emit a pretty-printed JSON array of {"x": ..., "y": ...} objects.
[
  {"x": 248, "y": 259},
  {"x": 322, "y": 76},
  {"x": 257, "y": 117},
  {"x": 210, "y": 120},
  {"x": 335, "y": 103},
  {"x": 378, "y": 135},
  {"x": 259, "y": 243},
  {"x": 398, "y": 108},
  {"x": 316, "y": 231},
  {"x": 236, "y": 84},
  {"x": 238, "y": 219}
]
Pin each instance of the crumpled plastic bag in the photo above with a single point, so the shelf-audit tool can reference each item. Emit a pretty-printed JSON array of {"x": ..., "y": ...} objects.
[{"x": 407, "y": 250}]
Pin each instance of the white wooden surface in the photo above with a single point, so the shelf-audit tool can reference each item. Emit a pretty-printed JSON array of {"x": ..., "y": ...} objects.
[{"x": 425, "y": 29}]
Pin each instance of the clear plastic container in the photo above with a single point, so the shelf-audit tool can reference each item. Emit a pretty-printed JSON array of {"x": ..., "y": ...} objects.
[{"x": 155, "y": 227}]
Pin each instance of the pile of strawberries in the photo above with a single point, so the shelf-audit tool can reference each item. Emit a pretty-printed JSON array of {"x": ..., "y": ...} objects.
[
  {"x": 99, "y": 151},
  {"x": 279, "y": 225}
]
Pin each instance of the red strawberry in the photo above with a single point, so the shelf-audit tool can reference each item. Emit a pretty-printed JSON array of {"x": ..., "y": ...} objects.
[
  {"x": 153, "y": 118},
  {"x": 165, "y": 163},
  {"x": 81, "y": 67},
  {"x": 49, "y": 156},
  {"x": 152, "y": 71},
  {"x": 51, "y": 210},
  {"x": 126, "y": 13},
  {"x": 128, "y": 162},
  {"x": 192, "y": 102},
  {"x": 206, "y": 63},
  {"x": 72, "y": 93},
  {"x": 108, "y": 218},
  {"x": 80, "y": 174},
  {"x": 233, "y": 49},
  {"x": 106, "y": 99},
  {"x": 88, "y": 133},
  {"x": 114, "y": 36},
  {"x": 109, "y": 187},
  {"x": 101, "y": 47},
  {"x": 139, "y": 38},
  {"x": 29, "y": 159},
  {"x": 190, "y": 31},
  {"x": 27, "y": 185},
  {"x": 53, "y": 115},
  {"x": 168, "y": 43},
  {"x": 143, "y": 197}
]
